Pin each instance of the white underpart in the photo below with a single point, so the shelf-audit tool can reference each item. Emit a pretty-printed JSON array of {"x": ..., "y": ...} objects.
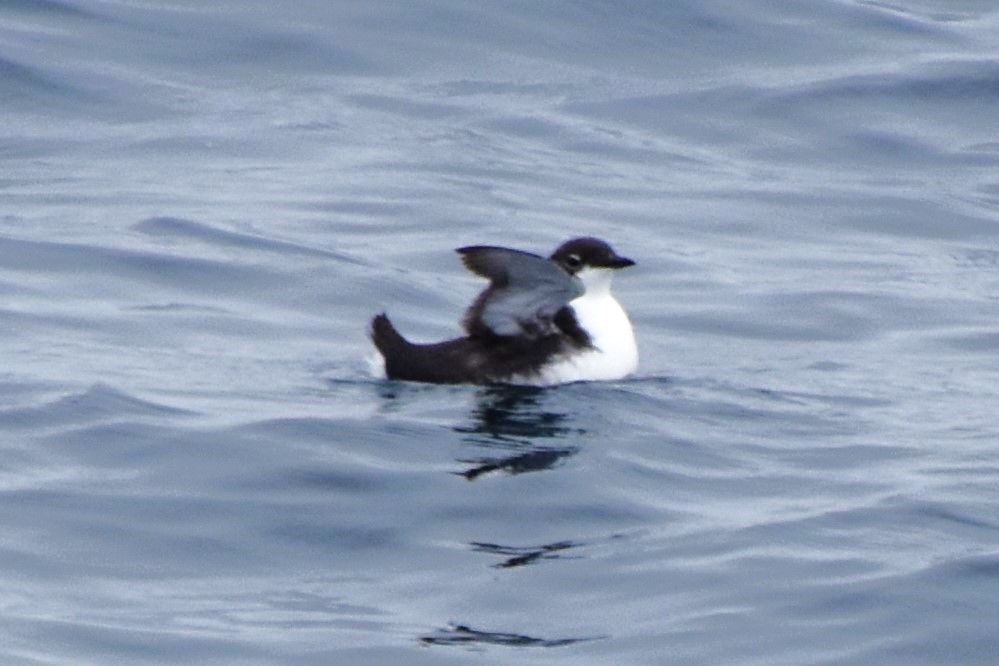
[
  {"x": 376, "y": 365},
  {"x": 615, "y": 353}
]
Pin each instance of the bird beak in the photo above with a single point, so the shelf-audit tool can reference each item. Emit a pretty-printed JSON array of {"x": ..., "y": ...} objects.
[{"x": 621, "y": 262}]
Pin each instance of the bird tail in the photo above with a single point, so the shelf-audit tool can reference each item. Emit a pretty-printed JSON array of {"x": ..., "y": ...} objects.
[{"x": 388, "y": 341}]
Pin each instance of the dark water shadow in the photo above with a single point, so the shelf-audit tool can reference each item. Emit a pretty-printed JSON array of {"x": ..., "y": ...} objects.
[
  {"x": 509, "y": 421},
  {"x": 532, "y": 461},
  {"x": 461, "y": 635},
  {"x": 521, "y": 556}
]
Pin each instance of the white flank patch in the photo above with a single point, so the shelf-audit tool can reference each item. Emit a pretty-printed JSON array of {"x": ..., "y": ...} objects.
[{"x": 376, "y": 365}]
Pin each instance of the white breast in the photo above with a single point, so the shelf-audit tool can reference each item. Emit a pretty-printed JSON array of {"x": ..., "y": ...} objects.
[{"x": 615, "y": 353}]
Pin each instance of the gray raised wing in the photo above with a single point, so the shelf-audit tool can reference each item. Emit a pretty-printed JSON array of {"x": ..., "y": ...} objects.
[{"x": 525, "y": 291}]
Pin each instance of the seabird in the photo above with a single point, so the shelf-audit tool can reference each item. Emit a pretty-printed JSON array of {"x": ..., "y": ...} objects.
[{"x": 539, "y": 322}]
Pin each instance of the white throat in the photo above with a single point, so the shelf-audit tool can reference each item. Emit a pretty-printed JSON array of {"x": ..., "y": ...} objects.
[{"x": 596, "y": 280}]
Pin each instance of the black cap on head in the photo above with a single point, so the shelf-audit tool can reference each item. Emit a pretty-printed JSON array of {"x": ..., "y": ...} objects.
[{"x": 579, "y": 253}]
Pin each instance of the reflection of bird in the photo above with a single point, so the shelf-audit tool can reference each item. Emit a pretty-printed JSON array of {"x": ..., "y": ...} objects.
[
  {"x": 540, "y": 321},
  {"x": 506, "y": 413},
  {"x": 510, "y": 421},
  {"x": 532, "y": 460}
]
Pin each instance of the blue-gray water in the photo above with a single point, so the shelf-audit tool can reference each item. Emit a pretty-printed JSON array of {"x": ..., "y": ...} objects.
[{"x": 202, "y": 204}]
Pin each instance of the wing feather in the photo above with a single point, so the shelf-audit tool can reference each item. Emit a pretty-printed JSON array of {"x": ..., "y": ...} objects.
[{"x": 524, "y": 294}]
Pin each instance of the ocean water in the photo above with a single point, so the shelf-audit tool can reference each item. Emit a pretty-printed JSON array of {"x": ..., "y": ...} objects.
[{"x": 203, "y": 204}]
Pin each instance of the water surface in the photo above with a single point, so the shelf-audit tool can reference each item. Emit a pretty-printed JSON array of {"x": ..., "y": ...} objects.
[{"x": 201, "y": 208}]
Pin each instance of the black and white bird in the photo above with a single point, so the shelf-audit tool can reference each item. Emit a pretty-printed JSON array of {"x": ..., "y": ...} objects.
[{"x": 539, "y": 322}]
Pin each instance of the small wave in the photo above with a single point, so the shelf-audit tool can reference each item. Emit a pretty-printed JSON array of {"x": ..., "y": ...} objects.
[
  {"x": 178, "y": 308},
  {"x": 48, "y": 7},
  {"x": 463, "y": 635},
  {"x": 22, "y": 82},
  {"x": 188, "y": 272},
  {"x": 176, "y": 227},
  {"x": 407, "y": 107},
  {"x": 300, "y": 51},
  {"x": 944, "y": 82},
  {"x": 99, "y": 402},
  {"x": 975, "y": 342}
]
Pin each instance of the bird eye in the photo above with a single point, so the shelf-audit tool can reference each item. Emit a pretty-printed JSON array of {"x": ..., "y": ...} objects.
[{"x": 573, "y": 261}]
